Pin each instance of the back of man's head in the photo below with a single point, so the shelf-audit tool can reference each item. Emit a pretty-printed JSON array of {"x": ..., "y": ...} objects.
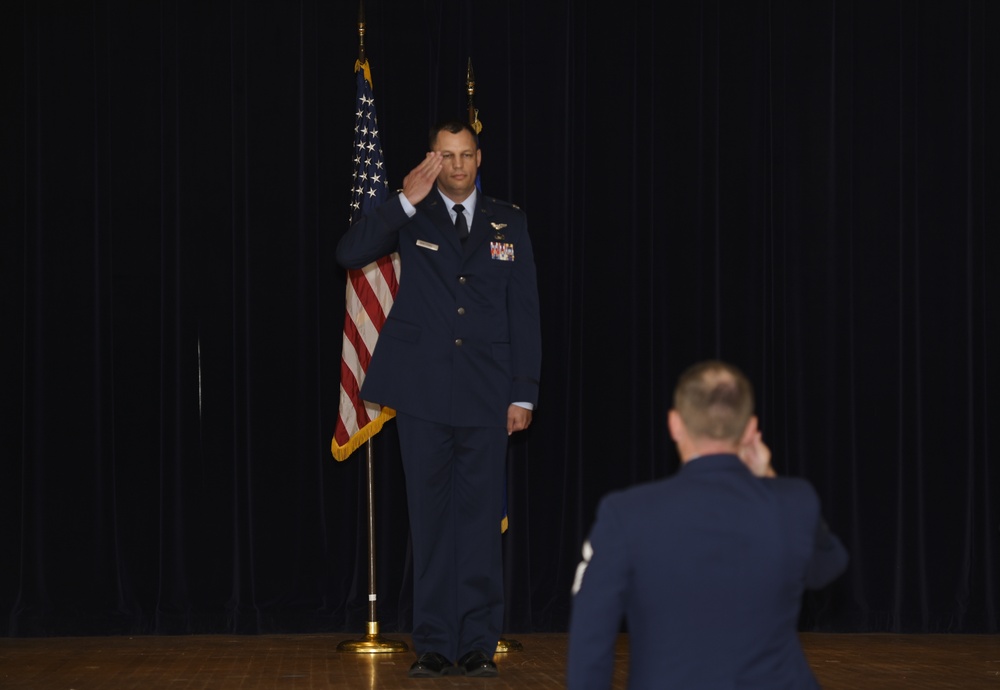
[{"x": 715, "y": 401}]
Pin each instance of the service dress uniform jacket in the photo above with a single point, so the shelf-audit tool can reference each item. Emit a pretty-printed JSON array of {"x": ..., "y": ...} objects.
[
  {"x": 462, "y": 340},
  {"x": 708, "y": 568}
]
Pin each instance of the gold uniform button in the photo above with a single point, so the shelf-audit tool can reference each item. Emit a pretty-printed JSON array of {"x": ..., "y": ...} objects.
[
  {"x": 461, "y": 311},
  {"x": 458, "y": 342}
]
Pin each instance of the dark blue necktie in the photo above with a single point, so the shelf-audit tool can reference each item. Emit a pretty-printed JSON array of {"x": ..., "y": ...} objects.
[{"x": 461, "y": 226}]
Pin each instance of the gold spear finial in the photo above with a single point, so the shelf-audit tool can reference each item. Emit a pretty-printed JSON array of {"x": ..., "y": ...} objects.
[{"x": 362, "y": 62}]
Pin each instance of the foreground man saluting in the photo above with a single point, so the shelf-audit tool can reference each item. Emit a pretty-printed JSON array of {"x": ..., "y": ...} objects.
[{"x": 708, "y": 566}]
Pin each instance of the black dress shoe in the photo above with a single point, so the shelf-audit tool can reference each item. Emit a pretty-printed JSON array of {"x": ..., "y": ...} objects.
[
  {"x": 477, "y": 664},
  {"x": 430, "y": 665}
]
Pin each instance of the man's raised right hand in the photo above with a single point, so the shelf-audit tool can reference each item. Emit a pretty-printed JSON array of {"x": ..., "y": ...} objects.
[{"x": 421, "y": 179}]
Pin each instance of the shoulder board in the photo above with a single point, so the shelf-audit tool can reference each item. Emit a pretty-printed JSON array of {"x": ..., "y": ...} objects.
[{"x": 501, "y": 202}]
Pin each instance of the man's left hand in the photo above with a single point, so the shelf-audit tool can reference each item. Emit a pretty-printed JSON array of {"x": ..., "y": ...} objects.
[{"x": 518, "y": 419}]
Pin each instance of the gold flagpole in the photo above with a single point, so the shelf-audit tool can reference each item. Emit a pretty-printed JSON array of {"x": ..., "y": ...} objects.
[
  {"x": 373, "y": 642},
  {"x": 470, "y": 87},
  {"x": 503, "y": 644}
]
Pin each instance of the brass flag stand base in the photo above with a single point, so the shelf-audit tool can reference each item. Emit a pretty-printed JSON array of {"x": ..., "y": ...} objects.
[
  {"x": 372, "y": 644},
  {"x": 509, "y": 646}
]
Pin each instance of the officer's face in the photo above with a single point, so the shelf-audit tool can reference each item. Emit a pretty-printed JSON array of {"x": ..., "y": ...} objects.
[{"x": 461, "y": 161}]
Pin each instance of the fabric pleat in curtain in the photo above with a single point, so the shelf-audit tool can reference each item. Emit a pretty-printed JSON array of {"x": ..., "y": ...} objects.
[{"x": 799, "y": 188}]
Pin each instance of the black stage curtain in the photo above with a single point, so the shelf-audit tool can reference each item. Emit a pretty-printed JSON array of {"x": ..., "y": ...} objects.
[{"x": 801, "y": 188}]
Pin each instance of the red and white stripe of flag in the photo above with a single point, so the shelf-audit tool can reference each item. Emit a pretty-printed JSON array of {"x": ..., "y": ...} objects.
[{"x": 370, "y": 293}]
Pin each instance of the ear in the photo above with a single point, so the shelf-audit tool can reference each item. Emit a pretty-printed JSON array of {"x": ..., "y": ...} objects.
[
  {"x": 479, "y": 156},
  {"x": 676, "y": 426},
  {"x": 750, "y": 431}
]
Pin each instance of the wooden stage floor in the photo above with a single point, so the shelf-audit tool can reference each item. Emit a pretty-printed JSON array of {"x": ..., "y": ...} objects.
[{"x": 300, "y": 662}]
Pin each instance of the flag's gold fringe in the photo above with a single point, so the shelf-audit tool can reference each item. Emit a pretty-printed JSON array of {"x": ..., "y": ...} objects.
[
  {"x": 366, "y": 68},
  {"x": 503, "y": 524},
  {"x": 343, "y": 452}
]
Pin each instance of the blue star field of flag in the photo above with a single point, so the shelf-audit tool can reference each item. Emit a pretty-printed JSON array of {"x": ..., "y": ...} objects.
[{"x": 369, "y": 188}]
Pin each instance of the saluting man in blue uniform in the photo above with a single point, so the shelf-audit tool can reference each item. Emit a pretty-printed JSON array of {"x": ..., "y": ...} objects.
[
  {"x": 706, "y": 567},
  {"x": 459, "y": 359}
]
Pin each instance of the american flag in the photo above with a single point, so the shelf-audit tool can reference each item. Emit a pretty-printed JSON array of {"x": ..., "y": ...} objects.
[{"x": 370, "y": 290}]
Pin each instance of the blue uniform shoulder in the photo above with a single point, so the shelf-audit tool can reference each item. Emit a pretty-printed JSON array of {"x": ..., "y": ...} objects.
[{"x": 501, "y": 205}]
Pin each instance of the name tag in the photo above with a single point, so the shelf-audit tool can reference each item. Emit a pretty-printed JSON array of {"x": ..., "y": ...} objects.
[
  {"x": 501, "y": 251},
  {"x": 427, "y": 245}
]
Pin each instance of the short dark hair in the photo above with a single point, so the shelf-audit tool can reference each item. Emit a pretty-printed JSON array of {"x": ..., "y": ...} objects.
[
  {"x": 453, "y": 126},
  {"x": 715, "y": 400}
]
